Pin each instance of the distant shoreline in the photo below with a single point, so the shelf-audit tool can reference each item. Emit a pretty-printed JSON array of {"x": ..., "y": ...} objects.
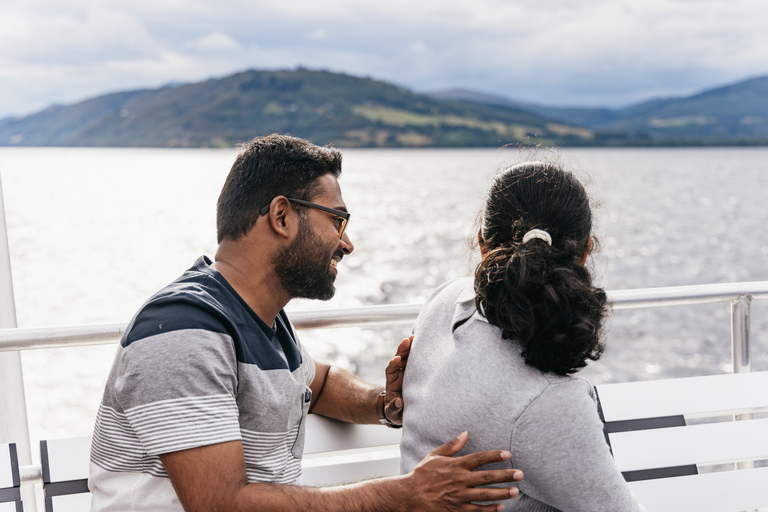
[
  {"x": 653, "y": 144},
  {"x": 349, "y": 111}
]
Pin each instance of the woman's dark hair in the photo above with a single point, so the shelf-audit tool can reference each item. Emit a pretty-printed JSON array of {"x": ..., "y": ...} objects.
[{"x": 539, "y": 294}]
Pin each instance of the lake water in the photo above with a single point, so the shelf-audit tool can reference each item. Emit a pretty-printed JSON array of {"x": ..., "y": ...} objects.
[{"x": 94, "y": 232}]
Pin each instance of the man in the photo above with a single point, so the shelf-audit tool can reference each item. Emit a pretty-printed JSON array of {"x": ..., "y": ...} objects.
[{"x": 204, "y": 406}]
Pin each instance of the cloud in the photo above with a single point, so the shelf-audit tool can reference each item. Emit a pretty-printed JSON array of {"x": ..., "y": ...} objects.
[
  {"x": 215, "y": 41},
  {"x": 596, "y": 52},
  {"x": 77, "y": 38},
  {"x": 318, "y": 34}
]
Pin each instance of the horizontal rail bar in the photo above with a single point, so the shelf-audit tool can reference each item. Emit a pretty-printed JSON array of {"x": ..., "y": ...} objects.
[
  {"x": 100, "y": 334},
  {"x": 355, "y": 317},
  {"x": 57, "y": 337},
  {"x": 369, "y": 316},
  {"x": 682, "y": 295},
  {"x": 32, "y": 474}
]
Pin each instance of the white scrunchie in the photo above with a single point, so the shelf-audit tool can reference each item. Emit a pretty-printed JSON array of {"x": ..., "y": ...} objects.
[{"x": 537, "y": 233}]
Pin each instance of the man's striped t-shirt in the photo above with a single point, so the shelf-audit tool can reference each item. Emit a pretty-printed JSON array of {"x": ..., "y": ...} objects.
[{"x": 197, "y": 367}]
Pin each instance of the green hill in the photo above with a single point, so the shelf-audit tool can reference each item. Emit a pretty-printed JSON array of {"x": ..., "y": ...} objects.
[
  {"x": 736, "y": 113},
  {"x": 321, "y": 106},
  {"x": 733, "y": 114}
]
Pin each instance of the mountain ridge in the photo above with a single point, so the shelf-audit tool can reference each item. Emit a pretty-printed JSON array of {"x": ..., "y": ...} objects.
[
  {"x": 321, "y": 106},
  {"x": 735, "y": 113},
  {"x": 350, "y": 111}
]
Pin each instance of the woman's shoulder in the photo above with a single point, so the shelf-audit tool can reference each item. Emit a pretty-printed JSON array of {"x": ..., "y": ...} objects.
[
  {"x": 456, "y": 290},
  {"x": 561, "y": 398},
  {"x": 457, "y": 294},
  {"x": 459, "y": 289},
  {"x": 571, "y": 381},
  {"x": 441, "y": 307},
  {"x": 568, "y": 387}
]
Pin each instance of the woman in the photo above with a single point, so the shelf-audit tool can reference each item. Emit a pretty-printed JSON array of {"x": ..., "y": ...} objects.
[{"x": 495, "y": 356}]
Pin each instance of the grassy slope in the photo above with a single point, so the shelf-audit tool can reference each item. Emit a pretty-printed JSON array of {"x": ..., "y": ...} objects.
[
  {"x": 321, "y": 106},
  {"x": 736, "y": 113}
]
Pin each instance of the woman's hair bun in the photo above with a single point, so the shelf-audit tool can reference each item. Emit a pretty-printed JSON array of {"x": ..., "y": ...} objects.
[{"x": 532, "y": 283}]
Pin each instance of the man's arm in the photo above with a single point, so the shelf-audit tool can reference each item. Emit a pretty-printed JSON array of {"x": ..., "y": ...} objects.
[
  {"x": 339, "y": 394},
  {"x": 213, "y": 478}
]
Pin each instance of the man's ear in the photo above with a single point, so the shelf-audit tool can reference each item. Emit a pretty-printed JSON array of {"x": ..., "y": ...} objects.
[{"x": 280, "y": 216}]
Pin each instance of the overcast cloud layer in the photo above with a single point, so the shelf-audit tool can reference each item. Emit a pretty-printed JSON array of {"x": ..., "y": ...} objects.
[{"x": 562, "y": 52}]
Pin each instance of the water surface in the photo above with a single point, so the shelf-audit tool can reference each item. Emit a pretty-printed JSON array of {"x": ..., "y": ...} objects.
[{"x": 94, "y": 232}]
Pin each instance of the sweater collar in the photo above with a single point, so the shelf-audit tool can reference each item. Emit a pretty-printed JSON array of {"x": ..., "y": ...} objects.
[{"x": 464, "y": 308}]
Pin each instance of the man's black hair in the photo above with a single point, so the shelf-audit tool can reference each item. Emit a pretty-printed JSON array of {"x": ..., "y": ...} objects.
[{"x": 265, "y": 168}]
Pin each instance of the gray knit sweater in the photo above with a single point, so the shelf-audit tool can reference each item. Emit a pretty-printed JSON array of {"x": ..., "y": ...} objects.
[{"x": 471, "y": 379}]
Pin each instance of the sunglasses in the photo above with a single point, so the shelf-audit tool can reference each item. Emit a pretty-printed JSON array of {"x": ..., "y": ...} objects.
[{"x": 341, "y": 215}]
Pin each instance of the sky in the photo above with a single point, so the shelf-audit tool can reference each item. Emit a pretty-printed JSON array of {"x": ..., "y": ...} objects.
[{"x": 608, "y": 53}]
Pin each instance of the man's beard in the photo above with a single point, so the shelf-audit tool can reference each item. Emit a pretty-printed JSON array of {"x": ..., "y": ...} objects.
[{"x": 303, "y": 267}]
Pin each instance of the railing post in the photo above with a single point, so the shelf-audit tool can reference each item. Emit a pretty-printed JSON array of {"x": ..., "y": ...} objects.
[
  {"x": 740, "y": 339},
  {"x": 741, "y": 350},
  {"x": 14, "y": 427}
]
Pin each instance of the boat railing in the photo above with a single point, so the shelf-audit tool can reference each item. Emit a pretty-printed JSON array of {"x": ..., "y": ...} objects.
[
  {"x": 13, "y": 340},
  {"x": 738, "y": 295}
]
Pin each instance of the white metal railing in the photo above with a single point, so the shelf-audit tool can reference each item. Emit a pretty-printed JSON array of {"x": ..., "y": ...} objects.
[
  {"x": 739, "y": 295},
  {"x": 99, "y": 334}
]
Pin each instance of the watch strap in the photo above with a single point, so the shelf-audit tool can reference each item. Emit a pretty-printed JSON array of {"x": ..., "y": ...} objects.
[{"x": 380, "y": 409}]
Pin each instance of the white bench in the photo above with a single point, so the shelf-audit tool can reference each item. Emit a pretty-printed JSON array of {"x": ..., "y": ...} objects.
[
  {"x": 334, "y": 452},
  {"x": 337, "y": 452},
  {"x": 663, "y": 447},
  {"x": 66, "y": 464},
  {"x": 10, "y": 482}
]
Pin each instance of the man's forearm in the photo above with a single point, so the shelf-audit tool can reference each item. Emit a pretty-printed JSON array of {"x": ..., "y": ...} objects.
[
  {"x": 213, "y": 478},
  {"x": 341, "y": 395},
  {"x": 347, "y": 397},
  {"x": 380, "y": 495}
]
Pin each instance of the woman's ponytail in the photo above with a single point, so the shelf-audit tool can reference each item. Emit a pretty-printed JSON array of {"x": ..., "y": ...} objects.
[{"x": 538, "y": 291}]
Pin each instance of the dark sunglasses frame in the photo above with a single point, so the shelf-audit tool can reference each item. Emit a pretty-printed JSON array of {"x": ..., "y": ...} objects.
[{"x": 330, "y": 211}]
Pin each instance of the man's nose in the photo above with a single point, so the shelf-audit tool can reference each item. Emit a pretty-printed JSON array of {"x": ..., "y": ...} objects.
[{"x": 345, "y": 244}]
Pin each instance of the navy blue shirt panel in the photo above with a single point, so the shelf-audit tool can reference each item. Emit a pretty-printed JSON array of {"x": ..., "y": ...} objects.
[{"x": 202, "y": 299}]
